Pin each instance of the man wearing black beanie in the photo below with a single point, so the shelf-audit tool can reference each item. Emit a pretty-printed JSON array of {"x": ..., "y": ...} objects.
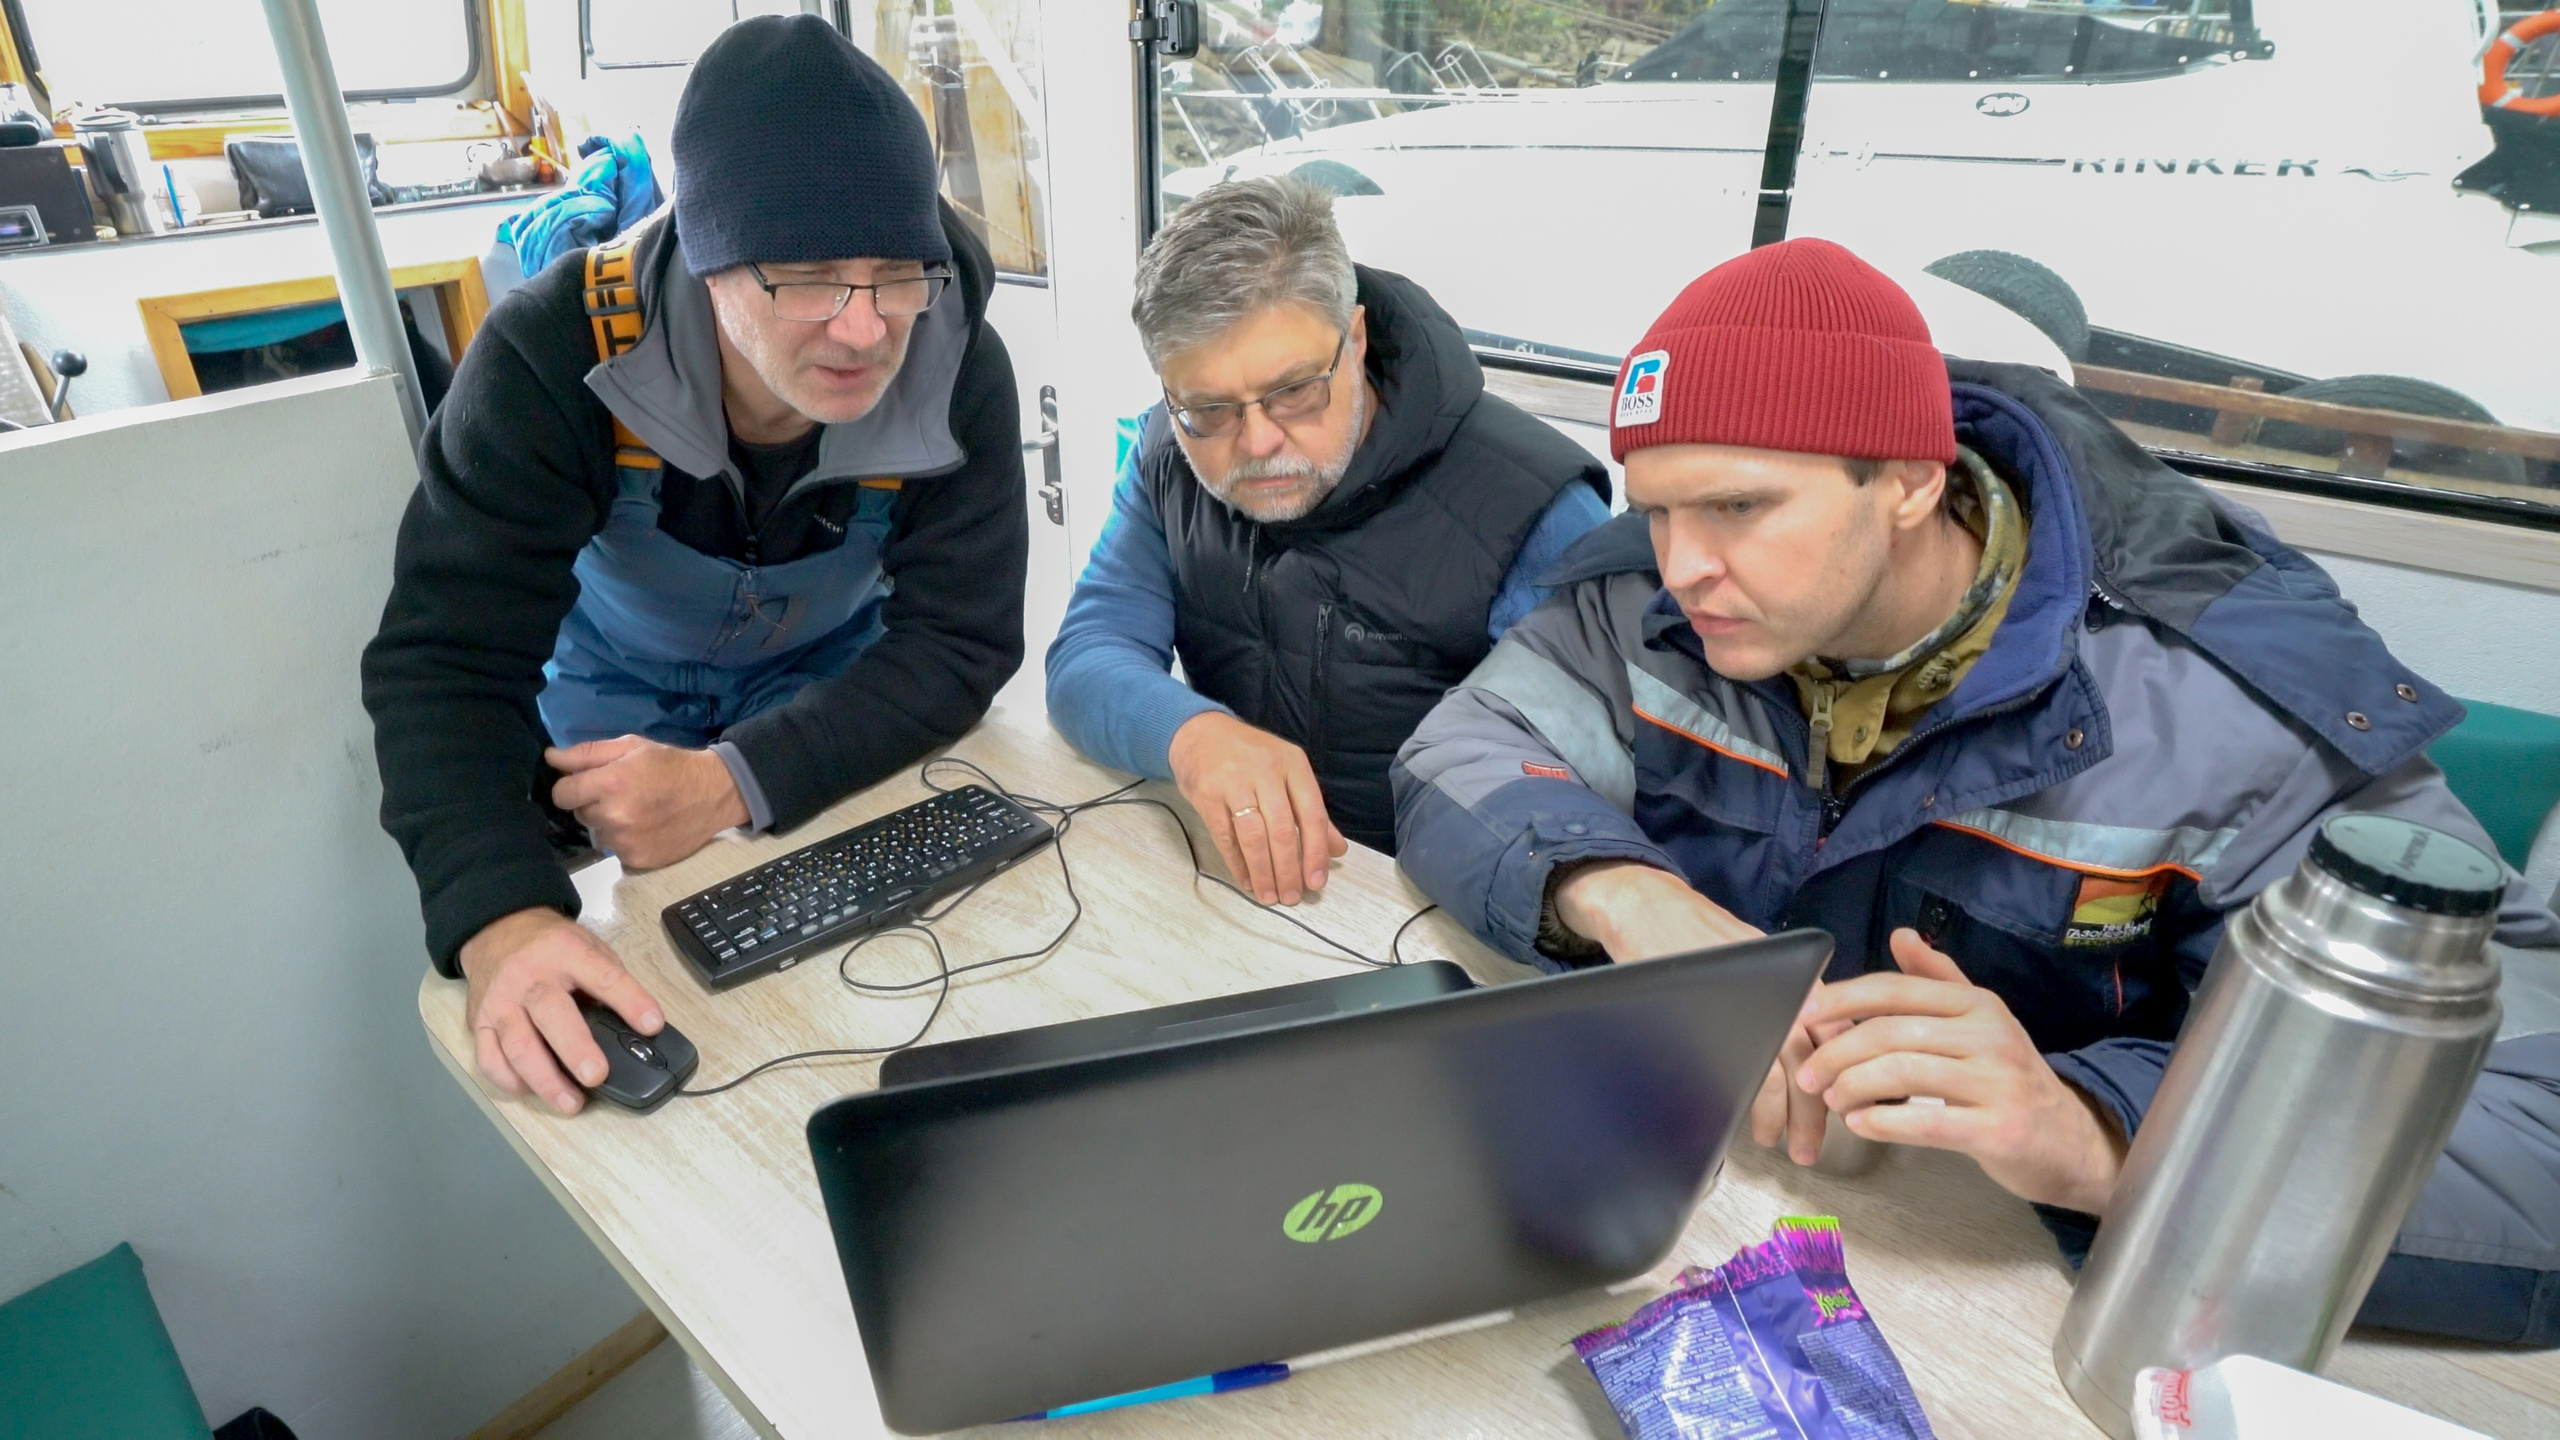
[{"x": 709, "y": 533}]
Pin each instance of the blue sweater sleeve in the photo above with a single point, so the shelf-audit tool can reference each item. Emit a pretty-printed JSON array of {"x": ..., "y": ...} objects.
[
  {"x": 1111, "y": 686},
  {"x": 1571, "y": 514}
]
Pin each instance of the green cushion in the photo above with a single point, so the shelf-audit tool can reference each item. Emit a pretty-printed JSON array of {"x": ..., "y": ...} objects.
[
  {"x": 85, "y": 1355},
  {"x": 2505, "y": 764}
]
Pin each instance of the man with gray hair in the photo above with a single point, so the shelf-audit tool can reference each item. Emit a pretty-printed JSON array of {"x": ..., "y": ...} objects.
[{"x": 1328, "y": 520}]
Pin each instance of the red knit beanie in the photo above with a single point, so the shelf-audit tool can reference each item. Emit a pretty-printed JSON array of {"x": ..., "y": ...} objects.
[{"x": 1796, "y": 346}]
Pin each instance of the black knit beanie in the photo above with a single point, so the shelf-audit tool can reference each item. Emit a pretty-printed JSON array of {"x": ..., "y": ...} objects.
[{"x": 792, "y": 145}]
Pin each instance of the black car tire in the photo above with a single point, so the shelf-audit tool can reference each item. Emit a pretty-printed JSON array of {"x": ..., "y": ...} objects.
[
  {"x": 2406, "y": 396},
  {"x": 1337, "y": 177},
  {"x": 2025, "y": 288}
]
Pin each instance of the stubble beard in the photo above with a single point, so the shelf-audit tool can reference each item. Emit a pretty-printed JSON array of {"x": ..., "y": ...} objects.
[
  {"x": 784, "y": 371},
  {"x": 1320, "y": 479}
]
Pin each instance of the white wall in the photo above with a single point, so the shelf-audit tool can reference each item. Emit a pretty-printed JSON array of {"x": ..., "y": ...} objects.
[
  {"x": 82, "y": 297},
  {"x": 209, "y": 1038},
  {"x": 2480, "y": 639}
]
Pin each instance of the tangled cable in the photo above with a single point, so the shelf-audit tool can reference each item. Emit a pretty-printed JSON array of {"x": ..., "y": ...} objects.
[{"x": 1065, "y": 816}]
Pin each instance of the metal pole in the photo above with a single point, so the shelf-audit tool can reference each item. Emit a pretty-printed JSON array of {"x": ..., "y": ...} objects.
[
  {"x": 1786, "y": 121},
  {"x": 328, "y": 146}
]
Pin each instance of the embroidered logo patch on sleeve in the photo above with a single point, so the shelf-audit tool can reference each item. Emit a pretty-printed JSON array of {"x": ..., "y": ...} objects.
[
  {"x": 1640, "y": 394},
  {"x": 1552, "y": 772},
  {"x": 2113, "y": 912}
]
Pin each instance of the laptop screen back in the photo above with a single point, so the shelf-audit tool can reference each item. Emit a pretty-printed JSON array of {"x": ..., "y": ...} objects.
[{"x": 1033, "y": 1237}]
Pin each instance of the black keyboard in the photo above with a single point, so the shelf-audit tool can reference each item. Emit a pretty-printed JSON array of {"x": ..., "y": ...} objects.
[{"x": 774, "y": 916}]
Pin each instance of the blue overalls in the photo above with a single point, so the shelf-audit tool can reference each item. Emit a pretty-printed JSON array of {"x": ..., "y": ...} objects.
[{"x": 675, "y": 645}]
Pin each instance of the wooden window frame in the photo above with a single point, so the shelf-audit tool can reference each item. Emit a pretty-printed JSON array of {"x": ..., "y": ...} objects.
[
  {"x": 461, "y": 296},
  {"x": 2523, "y": 551},
  {"x": 504, "y": 48}
]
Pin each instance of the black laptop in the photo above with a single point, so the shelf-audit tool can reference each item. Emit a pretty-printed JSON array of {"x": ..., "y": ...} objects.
[{"x": 1032, "y": 1219}]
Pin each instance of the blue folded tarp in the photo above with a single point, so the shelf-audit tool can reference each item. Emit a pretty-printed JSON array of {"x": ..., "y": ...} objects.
[{"x": 615, "y": 189}]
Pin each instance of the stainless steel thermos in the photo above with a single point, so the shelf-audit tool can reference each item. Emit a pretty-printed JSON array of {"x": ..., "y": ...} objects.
[{"x": 2332, "y": 1044}]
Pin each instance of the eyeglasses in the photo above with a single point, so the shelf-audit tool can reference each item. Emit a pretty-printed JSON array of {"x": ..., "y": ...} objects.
[
  {"x": 818, "y": 301},
  {"x": 1297, "y": 400}
]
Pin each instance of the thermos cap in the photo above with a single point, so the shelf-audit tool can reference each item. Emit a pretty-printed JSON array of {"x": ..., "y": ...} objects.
[{"x": 2408, "y": 864}]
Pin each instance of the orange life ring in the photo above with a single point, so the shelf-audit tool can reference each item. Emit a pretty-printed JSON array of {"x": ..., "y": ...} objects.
[{"x": 2495, "y": 92}]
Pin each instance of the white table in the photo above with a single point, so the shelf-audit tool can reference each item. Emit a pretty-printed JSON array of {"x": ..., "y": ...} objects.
[{"x": 710, "y": 1209}]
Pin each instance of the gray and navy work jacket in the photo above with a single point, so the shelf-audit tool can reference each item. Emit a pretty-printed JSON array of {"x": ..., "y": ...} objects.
[{"x": 2173, "y": 703}]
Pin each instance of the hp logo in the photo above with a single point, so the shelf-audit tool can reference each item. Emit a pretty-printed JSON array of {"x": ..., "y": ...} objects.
[{"x": 1332, "y": 1213}]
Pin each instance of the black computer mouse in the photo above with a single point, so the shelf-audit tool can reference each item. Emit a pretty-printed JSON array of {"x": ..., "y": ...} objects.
[{"x": 643, "y": 1070}]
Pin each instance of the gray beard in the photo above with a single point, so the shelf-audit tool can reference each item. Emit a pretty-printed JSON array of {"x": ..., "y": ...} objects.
[{"x": 1321, "y": 479}]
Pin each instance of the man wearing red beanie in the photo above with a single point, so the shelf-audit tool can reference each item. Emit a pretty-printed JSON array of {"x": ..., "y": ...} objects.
[{"x": 1931, "y": 656}]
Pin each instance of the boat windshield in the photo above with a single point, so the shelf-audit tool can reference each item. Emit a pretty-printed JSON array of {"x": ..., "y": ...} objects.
[{"x": 1949, "y": 40}]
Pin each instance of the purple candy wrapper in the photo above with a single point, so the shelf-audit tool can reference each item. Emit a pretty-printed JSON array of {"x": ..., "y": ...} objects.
[{"x": 1770, "y": 1345}]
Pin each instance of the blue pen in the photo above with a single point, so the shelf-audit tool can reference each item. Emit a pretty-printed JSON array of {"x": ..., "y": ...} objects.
[{"x": 1242, "y": 1378}]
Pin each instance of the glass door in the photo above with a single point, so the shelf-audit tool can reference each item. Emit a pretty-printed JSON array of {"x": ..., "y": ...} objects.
[{"x": 975, "y": 70}]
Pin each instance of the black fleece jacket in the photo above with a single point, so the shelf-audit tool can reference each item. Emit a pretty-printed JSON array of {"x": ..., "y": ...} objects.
[{"x": 516, "y": 474}]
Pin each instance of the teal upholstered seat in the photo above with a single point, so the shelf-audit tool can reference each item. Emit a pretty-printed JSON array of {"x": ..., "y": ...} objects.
[
  {"x": 2505, "y": 764},
  {"x": 85, "y": 1355}
]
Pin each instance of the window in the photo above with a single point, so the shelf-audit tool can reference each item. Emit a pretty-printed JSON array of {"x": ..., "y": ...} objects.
[
  {"x": 973, "y": 68},
  {"x": 653, "y": 34},
  {"x": 2280, "y": 233},
  {"x": 1951, "y": 40},
  {"x": 174, "y": 55},
  {"x": 2305, "y": 250},
  {"x": 1480, "y": 147}
]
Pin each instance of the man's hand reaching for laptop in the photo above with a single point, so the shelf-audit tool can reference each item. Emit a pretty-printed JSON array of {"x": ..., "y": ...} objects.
[{"x": 1638, "y": 912}]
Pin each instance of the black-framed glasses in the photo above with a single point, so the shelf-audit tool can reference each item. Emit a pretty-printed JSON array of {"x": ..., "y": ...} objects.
[
  {"x": 1297, "y": 400},
  {"x": 818, "y": 301}
]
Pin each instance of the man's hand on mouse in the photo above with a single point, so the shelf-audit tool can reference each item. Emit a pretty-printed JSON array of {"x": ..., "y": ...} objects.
[
  {"x": 526, "y": 971},
  {"x": 645, "y": 803},
  {"x": 1928, "y": 1031}
]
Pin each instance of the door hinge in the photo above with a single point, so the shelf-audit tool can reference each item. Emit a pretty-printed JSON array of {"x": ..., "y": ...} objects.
[{"x": 1170, "y": 27}]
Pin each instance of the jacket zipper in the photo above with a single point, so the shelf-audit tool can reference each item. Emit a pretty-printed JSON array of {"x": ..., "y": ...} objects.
[
  {"x": 1261, "y": 610},
  {"x": 755, "y": 533},
  {"x": 1818, "y": 738},
  {"x": 1836, "y": 807},
  {"x": 1316, "y": 690},
  {"x": 1817, "y": 748}
]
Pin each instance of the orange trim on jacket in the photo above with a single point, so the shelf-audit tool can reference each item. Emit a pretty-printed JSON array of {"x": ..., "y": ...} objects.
[
  {"x": 2083, "y": 867},
  {"x": 1643, "y": 714}
]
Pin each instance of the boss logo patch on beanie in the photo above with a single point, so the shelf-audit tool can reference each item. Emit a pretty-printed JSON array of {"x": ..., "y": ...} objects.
[{"x": 1640, "y": 394}]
